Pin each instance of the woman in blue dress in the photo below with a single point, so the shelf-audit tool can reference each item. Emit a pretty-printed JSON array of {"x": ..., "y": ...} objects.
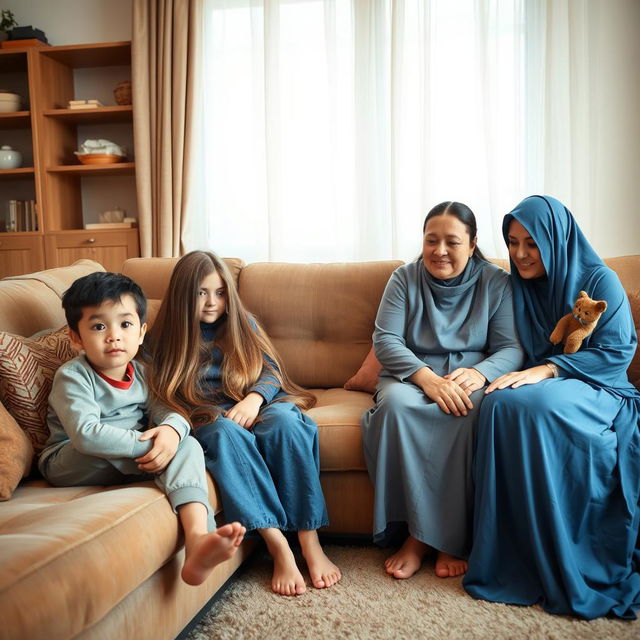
[
  {"x": 557, "y": 466},
  {"x": 443, "y": 330}
]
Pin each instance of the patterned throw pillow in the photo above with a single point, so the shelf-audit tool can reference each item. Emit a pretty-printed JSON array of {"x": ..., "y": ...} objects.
[{"x": 27, "y": 367}]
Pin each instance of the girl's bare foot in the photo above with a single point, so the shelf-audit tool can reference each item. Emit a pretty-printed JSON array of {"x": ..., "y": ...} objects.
[
  {"x": 407, "y": 560},
  {"x": 448, "y": 566},
  {"x": 322, "y": 571},
  {"x": 204, "y": 552},
  {"x": 287, "y": 579}
]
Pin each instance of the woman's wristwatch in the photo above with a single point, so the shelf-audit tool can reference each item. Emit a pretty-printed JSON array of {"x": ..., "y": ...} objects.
[{"x": 554, "y": 369}]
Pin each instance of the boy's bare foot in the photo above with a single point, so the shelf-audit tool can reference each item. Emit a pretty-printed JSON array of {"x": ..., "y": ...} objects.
[
  {"x": 407, "y": 560},
  {"x": 205, "y": 551},
  {"x": 448, "y": 566},
  {"x": 322, "y": 571},
  {"x": 287, "y": 579}
]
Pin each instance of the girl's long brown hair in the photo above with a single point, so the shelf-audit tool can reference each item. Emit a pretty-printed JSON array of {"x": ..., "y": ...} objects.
[{"x": 179, "y": 354}]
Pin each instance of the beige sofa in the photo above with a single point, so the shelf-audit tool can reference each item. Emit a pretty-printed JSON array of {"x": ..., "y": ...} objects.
[{"x": 94, "y": 562}]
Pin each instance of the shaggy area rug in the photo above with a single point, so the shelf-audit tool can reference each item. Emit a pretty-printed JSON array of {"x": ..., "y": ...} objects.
[{"x": 367, "y": 604}]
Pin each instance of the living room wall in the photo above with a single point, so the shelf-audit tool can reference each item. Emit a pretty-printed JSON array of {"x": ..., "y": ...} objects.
[
  {"x": 615, "y": 105},
  {"x": 614, "y": 97},
  {"x": 75, "y": 21}
]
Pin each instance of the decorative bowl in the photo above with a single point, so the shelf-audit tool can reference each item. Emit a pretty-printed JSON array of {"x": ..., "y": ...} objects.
[
  {"x": 9, "y": 102},
  {"x": 9, "y": 158},
  {"x": 122, "y": 93},
  {"x": 99, "y": 158}
]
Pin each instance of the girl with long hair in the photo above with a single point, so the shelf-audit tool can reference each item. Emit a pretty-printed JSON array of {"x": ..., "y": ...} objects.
[{"x": 212, "y": 363}]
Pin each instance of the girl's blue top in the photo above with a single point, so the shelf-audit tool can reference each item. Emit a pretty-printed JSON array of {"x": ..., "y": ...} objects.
[{"x": 267, "y": 384}]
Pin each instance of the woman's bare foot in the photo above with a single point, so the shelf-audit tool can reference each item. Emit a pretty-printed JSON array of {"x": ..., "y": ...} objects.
[
  {"x": 205, "y": 551},
  {"x": 287, "y": 579},
  {"x": 322, "y": 571},
  {"x": 448, "y": 566},
  {"x": 407, "y": 560}
]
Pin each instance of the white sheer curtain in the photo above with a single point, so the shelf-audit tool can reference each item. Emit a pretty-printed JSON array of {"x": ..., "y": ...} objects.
[{"x": 330, "y": 127}]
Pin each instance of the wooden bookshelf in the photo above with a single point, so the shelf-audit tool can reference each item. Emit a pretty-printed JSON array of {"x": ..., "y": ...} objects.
[{"x": 48, "y": 132}]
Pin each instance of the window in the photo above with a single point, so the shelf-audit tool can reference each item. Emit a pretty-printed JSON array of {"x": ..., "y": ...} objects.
[{"x": 331, "y": 127}]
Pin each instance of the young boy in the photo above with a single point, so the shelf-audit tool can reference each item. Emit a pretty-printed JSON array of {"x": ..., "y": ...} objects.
[{"x": 97, "y": 419}]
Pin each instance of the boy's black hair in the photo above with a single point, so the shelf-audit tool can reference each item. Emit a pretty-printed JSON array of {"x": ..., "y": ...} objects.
[{"x": 94, "y": 289}]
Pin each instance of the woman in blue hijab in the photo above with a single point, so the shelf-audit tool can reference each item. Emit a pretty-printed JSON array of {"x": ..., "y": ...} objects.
[{"x": 557, "y": 465}]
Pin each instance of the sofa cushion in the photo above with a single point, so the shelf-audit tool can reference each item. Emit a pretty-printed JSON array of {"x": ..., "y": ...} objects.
[
  {"x": 16, "y": 454},
  {"x": 27, "y": 367},
  {"x": 337, "y": 414}
]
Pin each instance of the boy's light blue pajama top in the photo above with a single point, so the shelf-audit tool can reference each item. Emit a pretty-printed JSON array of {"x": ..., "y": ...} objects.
[{"x": 95, "y": 430}]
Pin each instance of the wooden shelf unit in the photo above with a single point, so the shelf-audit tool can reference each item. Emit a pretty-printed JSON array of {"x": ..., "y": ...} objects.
[
  {"x": 56, "y": 179},
  {"x": 15, "y": 120},
  {"x": 93, "y": 116},
  {"x": 116, "y": 169},
  {"x": 26, "y": 172}
]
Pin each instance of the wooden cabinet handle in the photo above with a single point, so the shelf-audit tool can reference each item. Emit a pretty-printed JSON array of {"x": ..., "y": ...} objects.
[{"x": 91, "y": 240}]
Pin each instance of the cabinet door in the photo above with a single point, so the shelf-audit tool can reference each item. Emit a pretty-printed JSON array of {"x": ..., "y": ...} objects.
[
  {"x": 20, "y": 254},
  {"x": 109, "y": 248}
]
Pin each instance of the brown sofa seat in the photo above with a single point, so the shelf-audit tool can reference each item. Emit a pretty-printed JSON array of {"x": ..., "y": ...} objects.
[
  {"x": 79, "y": 538},
  {"x": 73, "y": 560},
  {"x": 337, "y": 415},
  {"x": 101, "y": 562}
]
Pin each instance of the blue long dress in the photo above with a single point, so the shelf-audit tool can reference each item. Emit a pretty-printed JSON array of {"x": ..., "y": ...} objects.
[
  {"x": 557, "y": 466},
  {"x": 418, "y": 457},
  {"x": 269, "y": 475}
]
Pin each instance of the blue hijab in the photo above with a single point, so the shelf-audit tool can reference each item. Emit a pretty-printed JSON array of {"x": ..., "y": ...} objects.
[{"x": 571, "y": 266}]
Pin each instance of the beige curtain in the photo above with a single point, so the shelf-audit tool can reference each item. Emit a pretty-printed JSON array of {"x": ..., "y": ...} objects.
[{"x": 166, "y": 47}]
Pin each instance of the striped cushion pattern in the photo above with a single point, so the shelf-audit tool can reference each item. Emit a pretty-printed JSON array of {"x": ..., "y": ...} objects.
[{"x": 27, "y": 367}]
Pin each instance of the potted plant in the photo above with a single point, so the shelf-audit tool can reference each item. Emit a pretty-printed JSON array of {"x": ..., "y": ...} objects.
[{"x": 7, "y": 22}]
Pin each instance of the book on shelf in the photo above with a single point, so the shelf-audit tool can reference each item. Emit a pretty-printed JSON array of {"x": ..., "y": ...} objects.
[
  {"x": 21, "y": 215},
  {"x": 85, "y": 104},
  {"x": 110, "y": 225}
]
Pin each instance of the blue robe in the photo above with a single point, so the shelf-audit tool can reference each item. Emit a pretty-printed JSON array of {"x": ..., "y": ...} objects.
[
  {"x": 269, "y": 475},
  {"x": 418, "y": 457},
  {"x": 557, "y": 466}
]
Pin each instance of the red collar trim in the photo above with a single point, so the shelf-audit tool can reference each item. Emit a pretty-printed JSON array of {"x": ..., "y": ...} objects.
[{"x": 119, "y": 384}]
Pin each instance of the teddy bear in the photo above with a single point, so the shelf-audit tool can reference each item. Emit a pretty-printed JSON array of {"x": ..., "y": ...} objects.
[{"x": 573, "y": 328}]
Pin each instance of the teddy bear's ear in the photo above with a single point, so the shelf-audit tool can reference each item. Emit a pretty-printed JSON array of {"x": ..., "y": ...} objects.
[
  {"x": 601, "y": 306},
  {"x": 583, "y": 294}
]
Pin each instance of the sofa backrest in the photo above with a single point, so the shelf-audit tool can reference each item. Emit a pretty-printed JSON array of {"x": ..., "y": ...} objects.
[
  {"x": 319, "y": 316},
  {"x": 153, "y": 275},
  {"x": 31, "y": 303}
]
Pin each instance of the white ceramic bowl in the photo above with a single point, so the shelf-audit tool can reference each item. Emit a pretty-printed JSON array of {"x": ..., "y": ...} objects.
[
  {"x": 9, "y": 158},
  {"x": 9, "y": 102}
]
